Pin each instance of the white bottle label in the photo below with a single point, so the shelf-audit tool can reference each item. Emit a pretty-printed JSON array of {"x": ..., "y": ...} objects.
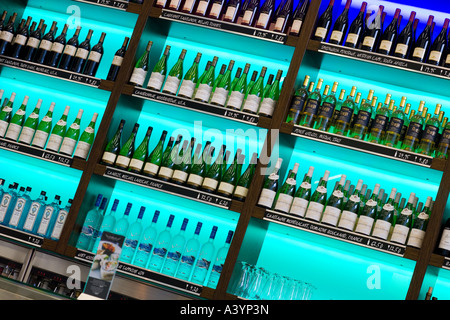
[
  {"x": 136, "y": 164},
  {"x": 40, "y": 138},
  {"x": 59, "y": 224},
  {"x": 348, "y": 220},
  {"x": 279, "y": 23},
  {"x": 299, "y": 206},
  {"x": 95, "y": 56},
  {"x": 109, "y": 157},
  {"x": 138, "y": 76},
  {"x": 352, "y": 38},
  {"x": 203, "y": 92},
  {"x": 81, "y": 53},
  {"x": 331, "y": 215},
  {"x": 3, "y": 127},
  {"x": 123, "y": 161},
  {"x": 171, "y": 84},
  {"x": 419, "y": 53},
  {"x": 188, "y": 5},
  {"x": 31, "y": 216},
  {"x": 416, "y": 238},
  {"x": 267, "y": 106},
  {"x": 165, "y": 172},
  {"x": 220, "y": 96},
  {"x": 368, "y": 41},
  {"x": 399, "y": 234},
  {"x": 195, "y": 179},
  {"x": 284, "y": 202},
  {"x": 187, "y": 88},
  {"x": 229, "y": 14},
  {"x": 33, "y": 43},
  {"x": 435, "y": 56},
  {"x": 179, "y": 175},
  {"x": 321, "y": 32},
  {"x": 26, "y": 135},
  {"x": 57, "y": 47},
  {"x": 401, "y": 49},
  {"x": 4, "y": 205},
  {"x": 364, "y": 225},
  {"x": 314, "y": 211},
  {"x": 6, "y": 36},
  {"x": 151, "y": 168},
  {"x": 43, "y": 226},
  {"x": 117, "y": 61},
  {"x": 215, "y": 9},
  {"x": 447, "y": 60},
  {"x": 266, "y": 198},
  {"x": 68, "y": 145},
  {"x": 235, "y": 100},
  {"x": 83, "y": 149},
  {"x": 445, "y": 240},
  {"x": 156, "y": 81},
  {"x": 247, "y": 16},
  {"x": 381, "y": 229},
  {"x": 201, "y": 8},
  {"x": 17, "y": 212},
  {"x": 226, "y": 188},
  {"x": 241, "y": 192},
  {"x": 210, "y": 183},
  {"x": 46, "y": 45},
  {"x": 252, "y": 103},
  {"x": 20, "y": 39},
  {"x": 13, "y": 131},
  {"x": 336, "y": 35},
  {"x": 54, "y": 142},
  {"x": 296, "y": 26},
  {"x": 70, "y": 50},
  {"x": 386, "y": 45}
]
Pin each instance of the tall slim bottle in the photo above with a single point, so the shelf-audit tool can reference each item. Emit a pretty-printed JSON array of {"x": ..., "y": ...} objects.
[
  {"x": 117, "y": 61},
  {"x": 82, "y": 53},
  {"x": 298, "y": 102},
  {"x": 161, "y": 246},
  {"x": 6, "y": 205},
  {"x": 87, "y": 230},
  {"x": 71, "y": 137},
  {"x": 419, "y": 226},
  {"x": 166, "y": 169},
  {"x": 362, "y": 121},
  {"x": 199, "y": 166},
  {"x": 430, "y": 132},
  {"x": 6, "y": 114},
  {"x": 325, "y": 114},
  {"x": 86, "y": 139},
  {"x": 124, "y": 157},
  {"x": 244, "y": 181},
  {"x": 132, "y": 238},
  {"x": 141, "y": 153},
  {"x": 369, "y": 213},
  {"x": 404, "y": 222},
  {"x": 175, "y": 75},
  {"x": 30, "y": 124},
  {"x": 107, "y": 224},
  {"x": 422, "y": 43},
  {"x": 21, "y": 207},
  {"x": 219, "y": 261},
  {"x": 146, "y": 242},
  {"x": 159, "y": 71},
  {"x": 122, "y": 224},
  {"x": 285, "y": 194},
  {"x": 372, "y": 32},
  {"x": 43, "y": 128},
  {"x": 140, "y": 70},
  {"x": 379, "y": 123},
  {"x": 312, "y": 106},
  {"x": 95, "y": 57},
  {"x": 205, "y": 84},
  {"x": 405, "y": 39},
  {"x": 58, "y": 132},
  {"x": 214, "y": 173},
  {"x": 155, "y": 157},
  {"x": 389, "y": 35},
  {"x": 323, "y": 25},
  {"x": 265, "y": 14},
  {"x": 335, "y": 204},
  {"x": 57, "y": 48},
  {"x": 270, "y": 187},
  {"x": 318, "y": 199},
  {"x": 70, "y": 50},
  {"x": 271, "y": 97},
  {"x": 383, "y": 223},
  {"x": 61, "y": 218},
  {"x": 255, "y": 95},
  {"x": 189, "y": 255},
  {"x": 34, "y": 213},
  {"x": 174, "y": 253},
  {"x": 302, "y": 195},
  {"x": 356, "y": 29},
  {"x": 49, "y": 218},
  {"x": 340, "y": 25},
  {"x": 346, "y": 113},
  {"x": 395, "y": 126},
  {"x": 190, "y": 79},
  {"x": 113, "y": 146},
  {"x": 17, "y": 120},
  {"x": 204, "y": 258},
  {"x": 438, "y": 45}
]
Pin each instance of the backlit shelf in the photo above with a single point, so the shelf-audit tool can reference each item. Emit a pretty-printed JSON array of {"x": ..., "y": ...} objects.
[{"x": 115, "y": 4}]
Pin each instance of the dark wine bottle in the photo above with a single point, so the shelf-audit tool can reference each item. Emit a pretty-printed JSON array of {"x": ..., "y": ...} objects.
[
  {"x": 57, "y": 48},
  {"x": 94, "y": 58},
  {"x": 422, "y": 43},
  {"x": 405, "y": 39},
  {"x": 265, "y": 14},
  {"x": 284, "y": 16},
  {"x": 117, "y": 61},
  {"x": 298, "y": 17},
  {"x": 438, "y": 46},
  {"x": 7, "y": 35},
  {"x": 444, "y": 242},
  {"x": 202, "y": 7},
  {"x": 33, "y": 42},
  {"x": 20, "y": 39},
  {"x": 46, "y": 45},
  {"x": 232, "y": 10},
  {"x": 356, "y": 29},
  {"x": 82, "y": 53},
  {"x": 69, "y": 51},
  {"x": 389, "y": 35},
  {"x": 324, "y": 23},
  {"x": 373, "y": 31},
  {"x": 340, "y": 25},
  {"x": 2, "y": 19},
  {"x": 249, "y": 13}
]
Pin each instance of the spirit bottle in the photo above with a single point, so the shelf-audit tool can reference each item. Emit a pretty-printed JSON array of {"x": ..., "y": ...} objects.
[
  {"x": 146, "y": 242},
  {"x": 176, "y": 248},
  {"x": 204, "y": 258},
  {"x": 161, "y": 246},
  {"x": 132, "y": 238}
]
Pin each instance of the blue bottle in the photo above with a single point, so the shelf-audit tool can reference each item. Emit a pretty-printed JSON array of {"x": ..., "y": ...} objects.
[
  {"x": 21, "y": 207},
  {"x": 161, "y": 246},
  {"x": 34, "y": 214},
  {"x": 48, "y": 218},
  {"x": 121, "y": 226},
  {"x": 97, "y": 224},
  {"x": 2, "y": 182},
  {"x": 146, "y": 243},
  {"x": 60, "y": 221},
  {"x": 7, "y": 204},
  {"x": 189, "y": 254},
  {"x": 219, "y": 261},
  {"x": 204, "y": 259},
  {"x": 176, "y": 248},
  {"x": 87, "y": 231},
  {"x": 132, "y": 238},
  {"x": 107, "y": 223}
]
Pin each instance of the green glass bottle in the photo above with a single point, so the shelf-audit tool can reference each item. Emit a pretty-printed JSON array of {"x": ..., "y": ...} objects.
[
  {"x": 199, "y": 165},
  {"x": 324, "y": 115},
  {"x": 58, "y": 132},
  {"x": 404, "y": 221},
  {"x": 214, "y": 173},
  {"x": 419, "y": 226},
  {"x": 395, "y": 126},
  {"x": 268, "y": 84},
  {"x": 415, "y": 128},
  {"x": 251, "y": 83},
  {"x": 167, "y": 166},
  {"x": 113, "y": 146},
  {"x": 43, "y": 129},
  {"x": 285, "y": 194},
  {"x": 141, "y": 68},
  {"x": 159, "y": 71},
  {"x": 368, "y": 214},
  {"x": 206, "y": 83},
  {"x": 335, "y": 204},
  {"x": 318, "y": 199},
  {"x": 17, "y": 120},
  {"x": 297, "y": 102},
  {"x": 337, "y": 109},
  {"x": 444, "y": 142},
  {"x": 379, "y": 123},
  {"x": 302, "y": 195},
  {"x": 30, "y": 125},
  {"x": 351, "y": 209},
  {"x": 346, "y": 112},
  {"x": 270, "y": 187},
  {"x": 255, "y": 95},
  {"x": 220, "y": 95},
  {"x": 86, "y": 139},
  {"x": 126, "y": 152},
  {"x": 5, "y": 114},
  {"x": 71, "y": 136},
  {"x": 271, "y": 97},
  {"x": 222, "y": 70},
  {"x": 312, "y": 106},
  {"x": 430, "y": 133},
  {"x": 168, "y": 148},
  {"x": 155, "y": 157},
  {"x": 190, "y": 79},
  {"x": 202, "y": 76},
  {"x": 362, "y": 121},
  {"x": 231, "y": 175},
  {"x": 237, "y": 94},
  {"x": 175, "y": 75},
  {"x": 244, "y": 181},
  {"x": 383, "y": 224},
  {"x": 236, "y": 78},
  {"x": 141, "y": 153},
  {"x": 182, "y": 168}
]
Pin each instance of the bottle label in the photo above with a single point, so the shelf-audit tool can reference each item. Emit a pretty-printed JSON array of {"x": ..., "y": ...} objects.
[
  {"x": 59, "y": 224},
  {"x": 43, "y": 226},
  {"x": 445, "y": 137},
  {"x": 400, "y": 234},
  {"x": 68, "y": 145},
  {"x": 151, "y": 168},
  {"x": 123, "y": 161},
  {"x": 354, "y": 198},
  {"x": 395, "y": 125},
  {"x": 414, "y": 130},
  {"x": 202, "y": 6},
  {"x": 54, "y": 142},
  {"x": 296, "y": 26},
  {"x": 20, "y": 39},
  {"x": 279, "y": 23},
  {"x": 311, "y": 106},
  {"x": 267, "y": 106},
  {"x": 352, "y": 38},
  {"x": 380, "y": 122},
  {"x": 13, "y": 131},
  {"x": 263, "y": 20},
  {"x": 187, "y": 88},
  {"x": 31, "y": 216},
  {"x": 136, "y": 164},
  {"x": 174, "y": 4},
  {"x": 248, "y": 14},
  {"x": 447, "y": 60},
  {"x": 401, "y": 49},
  {"x": 348, "y": 220},
  {"x": 368, "y": 41},
  {"x": 364, "y": 225},
  {"x": 188, "y": 5},
  {"x": 363, "y": 118},
  {"x": 180, "y": 176},
  {"x": 4, "y": 205},
  {"x": 171, "y": 84},
  {"x": 33, "y": 42},
  {"x": 156, "y": 81},
  {"x": 419, "y": 53},
  {"x": 386, "y": 45},
  {"x": 70, "y": 50},
  {"x": 345, "y": 114},
  {"x": 284, "y": 202},
  {"x": 195, "y": 180},
  {"x": 314, "y": 211},
  {"x": 415, "y": 238},
  {"x": 117, "y": 61},
  {"x": 165, "y": 172},
  {"x": 297, "y": 104},
  {"x": 235, "y": 100},
  {"x": 46, "y": 45},
  {"x": 241, "y": 192},
  {"x": 210, "y": 184},
  {"x": 220, "y": 96},
  {"x": 230, "y": 13},
  {"x": 381, "y": 229},
  {"x": 26, "y": 135},
  {"x": 336, "y": 35},
  {"x": 215, "y": 9},
  {"x": 95, "y": 56},
  {"x": 83, "y": 149},
  {"x": 82, "y": 53},
  {"x": 406, "y": 212},
  {"x": 299, "y": 206},
  {"x": 266, "y": 198},
  {"x": 326, "y": 110},
  {"x": 6, "y": 36},
  {"x": 388, "y": 207},
  {"x": 57, "y": 47},
  {"x": 435, "y": 56},
  {"x": 430, "y": 133},
  {"x": 3, "y": 126},
  {"x": 252, "y": 103},
  {"x": 17, "y": 212},
  {"x": 203, "y": 92},
  {"x": 321, "y": 32},
  {"x": 331, "y": 215},
  {"x": 445, "y": 240},
  {"x": 226, "y": 188},
  {"x": 138, "y": 76}
]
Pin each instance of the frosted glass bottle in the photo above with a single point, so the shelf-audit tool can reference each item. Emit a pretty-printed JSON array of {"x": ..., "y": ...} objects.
[
  {"x": 161, "y": 246},
  {"x": 107, "y": 223},
  {"x": 48, "y": 218},
  {"x": 146, "y": 243},
  {"x": 219, "y": 261},
  {"x": 87, "y": 230},
  {"x": 176, "y": 248},
  {"x": 34, "y": 214},
  {"x": 189, "y": 255},
  {"x": 121, "y": 226},
  {"x": 132, "y": 238},
  {"x": 204, "y": 259}
]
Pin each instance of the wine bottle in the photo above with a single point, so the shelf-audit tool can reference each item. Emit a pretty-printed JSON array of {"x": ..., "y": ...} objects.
[
  {"x": 46, "y": 45},
  {"x": 214, "y": 173},
  {"x": 438, "y": 46},
  {"x": 312, "y": 106},
  {"x": 297, "y": 102},
  {"x": 117, "y": 61},
  {"x": 405, "y": 39},
  {"x": 140, "y": 154},
  {"x": 30, "y": 124},
  {"x": 361, "y": 124},
  {"x": 285, "y": 195},
  {"x": 298, "y": 17},
  {"x": 232, "y": 10},
  {"x": 43, "y": 129},
  {"x": 357, "y": 28},
  {"x": 181, "y": 168},
  {"x": 302, "y": 195},
  {"x": 86, "y": 139},
  {"x": 379, "y": 123},
  {"x": 271, "y": 97},
  {"x": 395, "y": 126},
  {"x": 326, "y": 111},
  {"x": 32, "y": 42},
  {"x": 188, "y": 6},
  {"x": 167, "y": 165},
  {"x": 146, "y": 242},
  {"x": 82, "y": 53},
  {"x": 175, "y": 75},
  {"x": 368, "y": 214},
  {"x": 126, "y": 152},
  {"x": 404, "y": 222},
  {"x": 58, "y": 132},
  {"x": 372, "y": 32},
  {"x": 340, "y": 25},
  {"x": 6, "y": 114},
  {"x": 70, "y": 50},
  {"x": 199, "y": 165},
  {"x": 244, "y": 181},
  {"x": 444, "y": 242},
  {"x": 283, "y": 17},
  {"x": 422, "y": 43},
  {"x": 389, "y": 35},
  {"x": 202, "y": 7},
  {"x": 346, "y": 113},
  {"x": 57, "y": 49},
  {"x": 385, "y": 218},
  {"x": 237, "y": 95},
  {"x": 419, "y": 226},
  {"x": 20, "y": 39},
  {"x": 351, "y": 208},
  {"x": 249, "y": 14},
  {"x": 265, "y": 14},
  {"x": 7, "y": 35},
  {"x": 270, "y": 187},
  {"x": 17, "y": 120},
  {"x": 159, "y": 71},
  {"x": 430, "y": 132},
  {"x": 190, "y": 79},
  {"x": 220, "y": 95},
  {"x": 230, "y": 177},
  {"x": 318, "y": 199},
  {"x": 215, "y": 10},
  {"x": 141, "y": 68},
  {"x": 113, "y": 146},
  {"x": 335, "y": 204},
  {"x": 444, "y": 142},
  {"x": 324, "y": 23},
  {"x": 71, "y": 136},
  {"x": 205, "y": 85},
  {"x": 155, "y": 157},
  {"x": 174, "y": 4},
  {"x": 94, "y": 58},
  {"x": 253, "y": 99}
]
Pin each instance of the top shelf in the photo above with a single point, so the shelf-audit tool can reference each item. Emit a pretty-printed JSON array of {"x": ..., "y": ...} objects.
[{"x": 115, "y": 4}]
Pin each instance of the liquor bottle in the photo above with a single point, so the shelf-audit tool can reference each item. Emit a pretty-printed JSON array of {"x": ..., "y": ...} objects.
[
  {"x": 404, "y": 222},
  {"x": 237, "y": 94},
  {"x": 298, "y": 101},
  {"x": 161, "y": 246},
  {"x": 419, "y": 226},
  {"x": 389, "y": 35},
  {"x": 270, "y": 187},
  {"x": 71, "y": 136},
  {"x": 140, "y": 154},
  {"x": 113, "y": 146},
  {"x": 20, "y": 39},
  {"x": 368, "y": 214},
  {"x": 57, "y": 49},
  {"x": 340, "y": 25},
  {"x": 384, "y": 220},
  {"x": 323, "y": 119},
  {"x": 165, "y": 172},
  {"x": 219, "y": 261},
  {"x": 159, "y": 71},
  {"x": 220, "y": 95},
  {"x": 356, "y": 29},
  {"x": 312, "y": 106},
  {"x": 285, "y": 195},
  {"x": 430, "y": 132},
  {"x": 204, "y": 259},
  {"x": 43, "y": 128},
  {"x": 253, "y": 99},
  {"x": 324, "y": 23},
  {"x": 271, "y": 97},
  {"x": 215, "y": 9},
  {"x": 422, "y": 43},
  {"x": 86, "y": 139},
  {"x": 7, "y": 34},
  {"x": 346, "y": 113},
  {"x": 140, "y": 70},
  {"x": 6, "y": 114},
  {"x": 107, "y": 223},
  {"x": 232, "y": 10},
  {"x": 124, "y": 156},
  {"x": 82, "y": 53},
  {"x": 181, "y": 167},
  {"x": 199, "y": 166},
  {"x": 335, "y": 204},
  {"x": 395, "y": 126},
  {"x": 87, "y": 230},
  {"x": 122, "y": 224},
  {"x": 32, "y": 43},
  {"x": 175, "y": 75},
  {"x": 189, "y": 255},
  {"x": 379, "y": 123},
  {"x": 444, "y": 142},
  {"x": 372, "y": 32},
  {"x": 231, "y": 175},
  {"x": 190, "y": 79},
  {"x": 174, "y": 252},
  {"x": 49, "y": 218},
  {"x": 34, "y": 214},
  {"x": 205, "y": 84},
  {"x": 405, "y": 39},
  {"x": 55, "y": 234},
  {"x": 94, "y": 58},
  {"x": 46, "y": 45},
  {"x": 214, "y": 173},
  {"x": 70, "y": 50},
  {"x": 117, "y": 61},
  {"x": 96, "y": 226},
  {"x": 283, "y": 17},
  {"x": 132, "y": 238},
  {"x": 146, "y": 242},
  {"x": 318, "y": 199},
  {"x": 302, "y": 195},
  {"x": 17, "y": 120},
  {"x": 154, "y": 159},
  {"x": 265, "y": 14},
  {"x": 30, "y": 125},
  {"x": 20, "y": 208},
  {"x": 7, "y": 203},
  {"x": 438, "y": 46},
  {"x": 58, "y": 132}
]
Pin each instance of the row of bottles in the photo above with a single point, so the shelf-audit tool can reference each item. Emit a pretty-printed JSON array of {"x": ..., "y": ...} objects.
[
  {"x": 29, "y": 41},
  {"x": 174, "y": 254},
  {"x": 43, "y": 134},
  {"x": 181, "y": 162},
  {"x": 36, "y": 216},
  {"x": 284, "y": 18},
  {"x": 369, "y": 34},
  {"x": 349, "y": 207},
  {"x": 238, "y": 93},
  {"x": 371, "y": 120}
]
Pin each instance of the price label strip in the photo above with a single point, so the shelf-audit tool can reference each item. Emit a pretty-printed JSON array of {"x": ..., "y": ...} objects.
[
  {"x": 364, "y": 146},
  {"x": 21, "y": 236},
  {"x": 115, "y": 4},
  {"x": 335, "y": 233},
  {"x": 168, "y": 187}
]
